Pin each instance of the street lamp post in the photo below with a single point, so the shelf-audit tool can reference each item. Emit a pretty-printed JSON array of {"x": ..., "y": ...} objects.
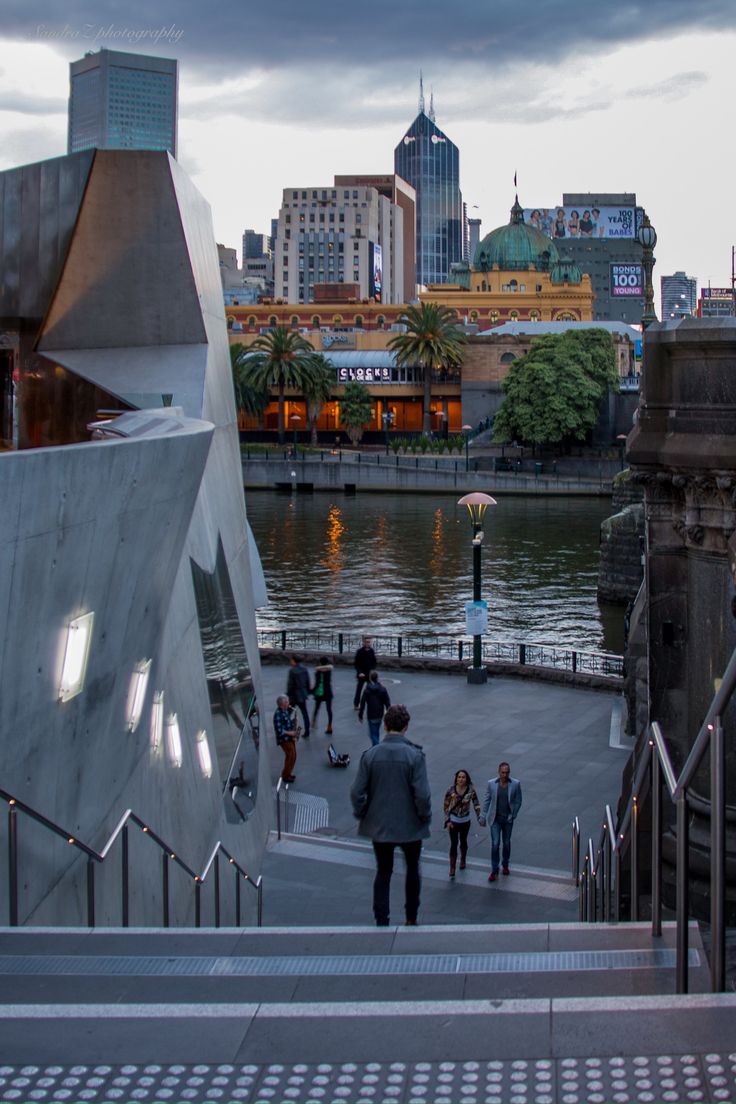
[
  {"x": 476, "y": 612},
  {"x": 295, "y": 419},
  {"x": 388, "y": 420},
  {"x": 621, "y": 446},
  {"x": 647, "y": 238},
  {"x": 467, "y": 431}
]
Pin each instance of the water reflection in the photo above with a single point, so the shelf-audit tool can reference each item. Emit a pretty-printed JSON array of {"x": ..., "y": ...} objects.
[{"x": 403, "y": 563}]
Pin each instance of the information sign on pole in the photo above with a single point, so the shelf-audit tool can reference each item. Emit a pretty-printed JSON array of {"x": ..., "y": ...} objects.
[{"x": 476, "y": 618}]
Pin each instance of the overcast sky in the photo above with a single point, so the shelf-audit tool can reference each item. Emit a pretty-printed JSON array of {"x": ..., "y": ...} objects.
[{"x": 572, "y": 96}]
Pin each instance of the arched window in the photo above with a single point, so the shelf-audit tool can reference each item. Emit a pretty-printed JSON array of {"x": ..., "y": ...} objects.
[
  {"x": 508, "y": 358},
  {"x": 359, "y": 321},
  {"x": 273, "y": 320},
  {"x": 230, "y": 321},
  {"x": 295, "y": 321},
  {"x": 514, "y": 316},
  {"x": 494, "y": 316},
  {"x": 251, "y": 322},
  {"x": 564, "y": 316},
  {"x": 534, "y": 316},
  {"x": 337, "y": 320},
  {"x": 315, "y": 321},
  {"x": 513, "y": 285},
  {"x": 381, "y": 322},
  {"x": 473, "y": 316},
  {"x": 483, "y": 286}
]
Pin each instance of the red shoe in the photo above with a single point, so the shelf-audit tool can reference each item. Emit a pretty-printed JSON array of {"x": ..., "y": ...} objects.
[
  {"x": 504, "y": 870},
  {"x": 462, "y": 862},
  {"x": 493, "y": 876},
  {"x": 452, "y": 868}
]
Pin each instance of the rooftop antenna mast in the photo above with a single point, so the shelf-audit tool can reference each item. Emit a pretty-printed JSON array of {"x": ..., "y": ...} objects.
[
  {"x": 431, "y": 105},
  {"x": 421, "y": 93}
]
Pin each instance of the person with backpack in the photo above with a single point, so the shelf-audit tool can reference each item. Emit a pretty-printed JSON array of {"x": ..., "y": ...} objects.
[
  {"x": 374, "y": 702},
  {"x": 297, "y": 689},
  {"x": 322, "y": 691}
]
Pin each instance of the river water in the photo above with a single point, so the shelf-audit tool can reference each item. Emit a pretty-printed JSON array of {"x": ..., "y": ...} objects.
[{"x": 396, "y": 563}]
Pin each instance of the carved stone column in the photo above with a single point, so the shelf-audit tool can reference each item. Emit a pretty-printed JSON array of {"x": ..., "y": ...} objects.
[{"x": 683, "y": 451}]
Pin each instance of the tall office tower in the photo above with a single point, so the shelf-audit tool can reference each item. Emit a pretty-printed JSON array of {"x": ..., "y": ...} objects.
[
  {"x": 402, "y": 195},
  {"x": 679, "y": 296},
  {"x": 123, "y": 101},
  {"x": 255, "y": 245},
  {"x": 430, "y": 162},
  {"x": 339, "y": 235}
]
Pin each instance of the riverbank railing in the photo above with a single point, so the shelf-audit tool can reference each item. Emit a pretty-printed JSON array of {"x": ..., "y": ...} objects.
[
  {"x": 436, "y": 646},
  {"x": 602, "y": 882}
]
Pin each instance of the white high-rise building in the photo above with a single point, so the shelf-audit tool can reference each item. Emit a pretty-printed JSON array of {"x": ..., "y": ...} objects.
[{"x": 339, "y": 235}]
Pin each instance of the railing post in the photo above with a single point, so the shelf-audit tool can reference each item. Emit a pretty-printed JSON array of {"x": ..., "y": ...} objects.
[
  {"x": 460, "y": 658},
  {"x": 718, "y": 859},
  {"x": 217, "y": 890},
  {"x": 286, "y": 808},
  {"x": 197, "y": 903},
  {"x": 591, "y": 886},
  {"x": 634, "y": 855},
  {"x": 90, "y": 892},
  {"x": 340, "y": 643},
  {"x": 125, "y": 879},
  {"x": 259, "y": 905},
  {"x": 278, "y": 813},
  {"x": 12, "y": 866},
  {"x": 574, "y": 662},
  {"x": 600, "y": 871},
  {"x": 617, "y": 883},
  {"x": 575, "y": 846},
  {"x": 522, "y": 654},
  {"x": 656, "y": 844},
  {"x": 399, "y": 648},
  {"x": 165, "y": 886},
  {"x": 237, "y": 896},
  {"x": 283, "y": 640},
  {"x": 607, "y": 863},
  {"x": 682, "y": 894}
]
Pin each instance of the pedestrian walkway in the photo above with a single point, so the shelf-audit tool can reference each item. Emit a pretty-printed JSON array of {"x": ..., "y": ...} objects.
[{"x": 562, "y": 745}]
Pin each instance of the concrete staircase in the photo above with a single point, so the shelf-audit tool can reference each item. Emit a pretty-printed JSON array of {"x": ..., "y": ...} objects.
[{"x": 487, "y": 1012}]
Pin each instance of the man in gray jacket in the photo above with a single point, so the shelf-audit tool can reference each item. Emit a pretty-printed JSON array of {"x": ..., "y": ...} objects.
[
  {"x": 391, "y": 799},
  {"x": 500, "y": 809}
]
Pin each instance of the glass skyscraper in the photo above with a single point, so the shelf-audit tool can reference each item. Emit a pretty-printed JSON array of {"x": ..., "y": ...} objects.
[
  {"x": 430, "y": 162},
  {"x": 123, "y": 101}
]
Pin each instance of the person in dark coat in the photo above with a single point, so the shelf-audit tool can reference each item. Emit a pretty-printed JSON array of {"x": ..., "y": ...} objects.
[
  {"x": 374, "y": 703},
  {"x": 322, "y": 691},
  {"x": 297, "y": 689},
  {"x": 391, "y": 799},
  {"x": 364, "y": 663}
]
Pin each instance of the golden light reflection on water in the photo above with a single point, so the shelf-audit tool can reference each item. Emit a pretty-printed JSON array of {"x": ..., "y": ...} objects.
[
  {"x": 334, "y": 558},
  {"x": 436, "y": 560}
]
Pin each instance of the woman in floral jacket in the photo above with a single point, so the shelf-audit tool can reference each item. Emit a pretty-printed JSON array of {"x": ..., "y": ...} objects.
[{"x": 458, "y": 799}]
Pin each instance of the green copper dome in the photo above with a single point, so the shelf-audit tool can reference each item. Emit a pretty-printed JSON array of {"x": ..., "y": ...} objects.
[
  {"x": 516, "y": 246},
  {"x": 565, "y": 271}
]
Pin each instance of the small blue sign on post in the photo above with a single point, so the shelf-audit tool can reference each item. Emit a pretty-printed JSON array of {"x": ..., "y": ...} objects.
[{"x": 476, "y": 618}]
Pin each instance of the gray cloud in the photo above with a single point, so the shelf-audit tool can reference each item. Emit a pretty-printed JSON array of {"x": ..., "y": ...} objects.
[
  {"x": 674, "y": 88},
  {"x": 25, "y": 104}
]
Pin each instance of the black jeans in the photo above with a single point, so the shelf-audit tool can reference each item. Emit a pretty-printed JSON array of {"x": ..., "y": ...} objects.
[
  {"x": 459, "y": 832},
  {"x": 384, "y": 853},
  {"x": 315, "y": 711}
]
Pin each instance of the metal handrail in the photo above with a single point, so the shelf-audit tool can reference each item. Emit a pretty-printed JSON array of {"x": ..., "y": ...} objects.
[
  {"x": 281, "y": 785},
  {"x": 16, "y": 805},
  {"x": 526, "y": 653},
  {"x": 655, "y": 767}
]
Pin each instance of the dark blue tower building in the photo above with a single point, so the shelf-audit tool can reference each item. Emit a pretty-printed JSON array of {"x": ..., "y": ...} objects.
[{"x": 430, "y": 162}]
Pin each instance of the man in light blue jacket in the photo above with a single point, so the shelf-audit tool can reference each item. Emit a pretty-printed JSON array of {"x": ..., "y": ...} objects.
[{"x": 500, "y": 810}]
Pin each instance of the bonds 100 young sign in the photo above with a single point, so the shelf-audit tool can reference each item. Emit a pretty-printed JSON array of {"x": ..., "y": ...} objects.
[{"x": 627, "y": 280}]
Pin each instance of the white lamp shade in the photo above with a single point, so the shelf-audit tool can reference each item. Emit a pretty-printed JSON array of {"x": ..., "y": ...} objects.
[{"x": 76, "y": 655}]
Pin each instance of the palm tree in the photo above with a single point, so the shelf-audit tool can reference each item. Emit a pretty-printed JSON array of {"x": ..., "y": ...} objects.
[
  {"x": 281, "y": 359},
  {"x": 432, "y": 341},
  {"x": 247, "y": 397},
  {"x": 318, "y": 390},
  {"x": 356, "y": 409}
]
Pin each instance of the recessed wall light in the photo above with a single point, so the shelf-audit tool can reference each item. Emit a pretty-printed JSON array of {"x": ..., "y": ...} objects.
[
  {"x": 173, "y": 740},
  {"x": 76, "y": 654},
  {"x": 157, "y": 721},
  {"x": 203, "y": 752},
  {"x": 137, "y": 693}
]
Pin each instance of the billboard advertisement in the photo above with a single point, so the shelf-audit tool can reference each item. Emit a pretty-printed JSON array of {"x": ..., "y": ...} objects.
[
  {"x": 375, "y": 260},
  {"x": 627, "y": 280},
  {"x": 715, "y": 293},
  {"x": 364, "y": 375},
  {"x": 583, "y": 222}
]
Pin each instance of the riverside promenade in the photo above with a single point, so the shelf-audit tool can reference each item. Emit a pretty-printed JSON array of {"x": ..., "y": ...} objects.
[
  {"x": 564, "y": 744},
  {"x": 375, "y": 471}
]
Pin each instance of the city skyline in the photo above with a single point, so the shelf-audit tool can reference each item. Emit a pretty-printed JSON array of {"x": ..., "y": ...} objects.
[{"x": 580, "y": 99}]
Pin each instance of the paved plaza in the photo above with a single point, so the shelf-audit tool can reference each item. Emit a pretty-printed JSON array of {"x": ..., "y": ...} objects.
[{"x": 558, "y": 741}]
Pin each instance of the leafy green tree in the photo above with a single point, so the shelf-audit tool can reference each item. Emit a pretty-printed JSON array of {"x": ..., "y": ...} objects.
[
  {"x": 356, "y": 410},
  {"x": 318, "y": 389},
  {"x": 555, "y": 391},
  {"x": 248, "y": 398},
  {"x": 281, "y": 358},
  {"x": 432, "y": 341}
]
